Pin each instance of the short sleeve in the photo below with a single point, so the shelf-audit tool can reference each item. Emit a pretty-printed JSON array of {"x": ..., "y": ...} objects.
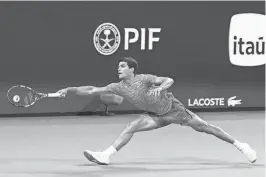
[
  {"x": 114, "y": 88},
  {"x": 149, "y": 78}
]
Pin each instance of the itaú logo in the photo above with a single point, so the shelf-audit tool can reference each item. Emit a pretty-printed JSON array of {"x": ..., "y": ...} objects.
[{"x": 247, "y": 35}]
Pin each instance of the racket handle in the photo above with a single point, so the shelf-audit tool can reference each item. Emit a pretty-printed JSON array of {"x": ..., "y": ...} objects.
[{"x": 56, "y": 95}]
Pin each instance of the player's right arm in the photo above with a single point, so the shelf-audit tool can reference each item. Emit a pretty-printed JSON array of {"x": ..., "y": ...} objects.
[{"x": 90, "y": 90}]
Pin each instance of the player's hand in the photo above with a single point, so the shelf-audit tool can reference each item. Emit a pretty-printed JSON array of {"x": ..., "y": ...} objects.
[
  {"x": 62, "y": 92},
  {"x": 155, "y": 91}
]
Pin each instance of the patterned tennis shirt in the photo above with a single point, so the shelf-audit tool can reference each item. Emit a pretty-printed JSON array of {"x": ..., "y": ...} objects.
[{"x": 136, "y": 92}]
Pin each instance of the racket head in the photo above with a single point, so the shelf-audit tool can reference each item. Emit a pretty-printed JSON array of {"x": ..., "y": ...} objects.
[{"x": 23, "y": 96}]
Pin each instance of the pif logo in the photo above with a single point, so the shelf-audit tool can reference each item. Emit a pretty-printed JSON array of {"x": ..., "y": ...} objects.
[
  {"x": 247, "y": 38},
  {"x": 107, "y": 38}
]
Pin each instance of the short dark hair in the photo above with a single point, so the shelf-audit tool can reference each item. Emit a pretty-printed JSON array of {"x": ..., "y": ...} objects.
[{"x": 131, "y": 62}]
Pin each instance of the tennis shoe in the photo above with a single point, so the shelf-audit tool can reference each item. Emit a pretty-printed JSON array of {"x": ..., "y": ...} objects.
[{"x": 100, "y": 158}]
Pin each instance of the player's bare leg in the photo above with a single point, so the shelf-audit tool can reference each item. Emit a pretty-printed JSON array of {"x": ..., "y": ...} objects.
[
  {"x": 144, "y": 123},
  {"x": 201, "y": 126}
]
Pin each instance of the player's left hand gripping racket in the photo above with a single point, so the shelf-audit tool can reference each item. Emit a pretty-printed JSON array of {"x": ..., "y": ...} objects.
[{"x": 23, "y": 96}]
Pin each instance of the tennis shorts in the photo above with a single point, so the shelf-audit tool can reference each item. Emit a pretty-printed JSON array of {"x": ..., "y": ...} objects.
[{"x": 178, "y": 114}]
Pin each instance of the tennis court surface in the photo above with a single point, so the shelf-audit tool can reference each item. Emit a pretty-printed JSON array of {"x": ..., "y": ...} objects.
[{"x": 53, "y": 146}]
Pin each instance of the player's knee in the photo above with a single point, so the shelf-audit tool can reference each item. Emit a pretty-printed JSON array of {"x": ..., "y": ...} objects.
[
  {"x": 133, "y": 126},
  {"x": 129, "y": 127},
  {"x": 141, "y": 124},
  {"x": 200, "y": 127}
]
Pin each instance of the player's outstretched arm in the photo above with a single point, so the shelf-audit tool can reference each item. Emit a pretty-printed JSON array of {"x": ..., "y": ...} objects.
[
  {"x": 90, "y": 90},
  {"x": 84, "y": 90}
]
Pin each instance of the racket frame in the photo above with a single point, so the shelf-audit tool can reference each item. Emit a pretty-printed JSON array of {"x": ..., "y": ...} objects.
[{"x": 41, "y": 95}]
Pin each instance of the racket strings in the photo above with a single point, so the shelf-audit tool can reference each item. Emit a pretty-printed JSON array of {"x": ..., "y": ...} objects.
[
  {"x": 26, "y": 100},
  {"x": 31, "y": 99}
]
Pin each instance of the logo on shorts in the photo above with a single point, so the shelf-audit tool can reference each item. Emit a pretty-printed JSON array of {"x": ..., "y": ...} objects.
[
  {"x": 247, "y": 39},
  {"x": 106, "y": 38},
  {"x": 232, "y": 102}
]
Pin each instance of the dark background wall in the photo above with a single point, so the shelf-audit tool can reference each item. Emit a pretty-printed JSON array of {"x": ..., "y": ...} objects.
[{"x": 49, "y": 45}]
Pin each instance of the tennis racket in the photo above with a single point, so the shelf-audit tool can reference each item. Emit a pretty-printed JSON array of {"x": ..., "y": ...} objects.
[{"x": 23, "y": 96}]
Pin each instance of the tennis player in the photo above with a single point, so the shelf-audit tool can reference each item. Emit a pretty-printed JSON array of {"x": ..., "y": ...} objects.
[{"x": 149, "y": 93}]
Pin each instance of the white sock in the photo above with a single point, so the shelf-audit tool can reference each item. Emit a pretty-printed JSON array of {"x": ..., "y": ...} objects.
[
  {"x": 238, "y": 144},
  {"x": 110, "y": 151}
]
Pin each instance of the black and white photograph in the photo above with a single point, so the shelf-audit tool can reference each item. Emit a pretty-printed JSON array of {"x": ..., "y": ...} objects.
[{"x": 132, "y": 88}]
